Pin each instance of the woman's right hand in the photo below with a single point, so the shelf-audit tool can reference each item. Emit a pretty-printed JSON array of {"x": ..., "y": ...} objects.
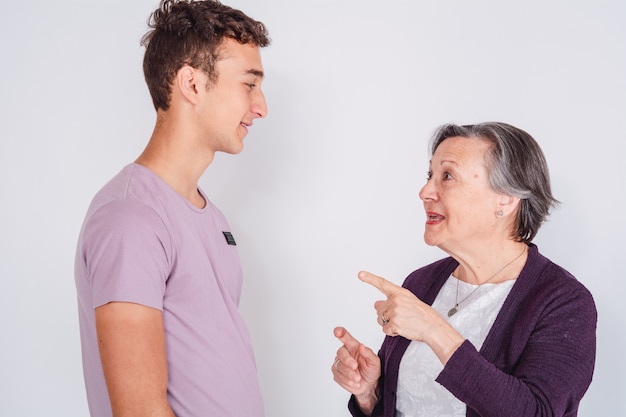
[{"x": 357, "y": 369}]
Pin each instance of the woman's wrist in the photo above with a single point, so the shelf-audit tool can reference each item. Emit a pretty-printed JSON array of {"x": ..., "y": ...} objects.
[
  {"x": 444, "y": 342},
  {"x": 367, "y": 401}
]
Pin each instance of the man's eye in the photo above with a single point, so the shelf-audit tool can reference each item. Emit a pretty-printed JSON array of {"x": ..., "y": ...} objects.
[
  {"x": 429, "y": 175},
  {"x": 251, "y": 85},
  {"x": 447, "y": 176}
]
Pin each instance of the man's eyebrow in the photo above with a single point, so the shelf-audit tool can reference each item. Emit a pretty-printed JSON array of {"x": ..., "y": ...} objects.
[{"x": 256, "y": 72}]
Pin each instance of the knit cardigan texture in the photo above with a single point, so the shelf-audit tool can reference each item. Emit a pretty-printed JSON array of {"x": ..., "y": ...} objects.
[{"x": 538, "y": 357}]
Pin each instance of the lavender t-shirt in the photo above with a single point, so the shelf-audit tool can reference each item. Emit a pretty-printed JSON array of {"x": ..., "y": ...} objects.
[{"x": 142, "y": 242}]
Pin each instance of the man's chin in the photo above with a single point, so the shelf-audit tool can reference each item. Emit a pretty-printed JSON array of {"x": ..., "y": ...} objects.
[{"x": 233, "y": 150}]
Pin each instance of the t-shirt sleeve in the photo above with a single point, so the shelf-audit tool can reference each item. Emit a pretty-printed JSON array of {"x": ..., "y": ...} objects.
[{"x": 125, "y": 249}]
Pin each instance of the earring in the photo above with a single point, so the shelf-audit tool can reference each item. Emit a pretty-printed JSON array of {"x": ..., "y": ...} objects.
[{"x": 499, "y": 213}]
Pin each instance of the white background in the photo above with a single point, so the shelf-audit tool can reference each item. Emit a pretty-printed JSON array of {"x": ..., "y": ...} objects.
[{"x": 327, "y": 184}]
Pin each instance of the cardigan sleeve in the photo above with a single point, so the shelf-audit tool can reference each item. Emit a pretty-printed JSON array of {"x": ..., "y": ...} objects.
[
  {"x": 543, "y": 374},
  {"x": 357, "y": 412}
]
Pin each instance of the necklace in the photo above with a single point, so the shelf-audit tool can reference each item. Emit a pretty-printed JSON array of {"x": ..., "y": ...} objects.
[{"x": 454, "y": 309}]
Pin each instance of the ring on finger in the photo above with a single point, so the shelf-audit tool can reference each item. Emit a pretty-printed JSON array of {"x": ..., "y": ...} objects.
[{"x": 384, "y": 319}]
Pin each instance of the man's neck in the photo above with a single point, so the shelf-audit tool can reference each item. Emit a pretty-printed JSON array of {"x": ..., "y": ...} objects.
[{"x": 172, "y": 154}]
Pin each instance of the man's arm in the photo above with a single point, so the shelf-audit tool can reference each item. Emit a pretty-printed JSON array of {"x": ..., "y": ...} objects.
[{"x": 131, "y": 340}]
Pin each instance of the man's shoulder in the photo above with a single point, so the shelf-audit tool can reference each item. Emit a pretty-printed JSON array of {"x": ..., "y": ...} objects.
[
  {"x": 134, "y": 188},
  {"x": 131, "y": 181},
  {"x": 126, "y": 202}
]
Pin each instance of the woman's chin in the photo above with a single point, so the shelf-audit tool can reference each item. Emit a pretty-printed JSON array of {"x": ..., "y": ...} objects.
[{"x": 430, "y": 240}]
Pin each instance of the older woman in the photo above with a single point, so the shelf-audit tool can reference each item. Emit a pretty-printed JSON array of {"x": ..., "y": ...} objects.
[{"x": 496, "y": 329}]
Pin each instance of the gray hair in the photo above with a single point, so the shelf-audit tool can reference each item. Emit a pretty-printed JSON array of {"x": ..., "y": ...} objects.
[{"x": 516, "y": 166}]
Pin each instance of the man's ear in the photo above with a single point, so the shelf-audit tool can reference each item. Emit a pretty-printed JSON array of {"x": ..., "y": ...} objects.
[{"x": 187, "y": 83}]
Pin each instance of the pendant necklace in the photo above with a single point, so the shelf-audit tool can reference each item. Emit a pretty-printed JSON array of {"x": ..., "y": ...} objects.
[{"x": 454, "y": 309}]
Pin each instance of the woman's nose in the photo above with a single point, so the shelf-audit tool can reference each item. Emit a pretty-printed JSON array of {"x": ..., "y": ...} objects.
[{"x": 427, "y": 192}]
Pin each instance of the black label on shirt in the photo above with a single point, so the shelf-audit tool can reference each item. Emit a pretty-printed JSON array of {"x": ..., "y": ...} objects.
[{"x": 229, "y": 238}]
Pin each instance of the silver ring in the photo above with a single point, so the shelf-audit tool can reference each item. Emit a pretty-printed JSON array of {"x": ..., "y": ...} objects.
[
  {"x": 336, "y": 364},
  {"x": 384, "y": 319}
]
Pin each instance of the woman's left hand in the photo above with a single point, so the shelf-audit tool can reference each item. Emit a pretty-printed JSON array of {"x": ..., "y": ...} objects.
[{"x": 403, "y": 314}]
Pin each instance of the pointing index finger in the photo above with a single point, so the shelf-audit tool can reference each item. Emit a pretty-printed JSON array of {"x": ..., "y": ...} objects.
[{"x": 386, "y": 287}]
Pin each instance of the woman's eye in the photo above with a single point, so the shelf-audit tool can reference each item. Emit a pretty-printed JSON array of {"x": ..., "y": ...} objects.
[
  {"x": 447, "y": 176},
  {"x": 429, "y": 175}
]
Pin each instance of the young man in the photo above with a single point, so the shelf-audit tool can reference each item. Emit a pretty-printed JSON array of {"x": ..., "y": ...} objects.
[{"x": 158, "y": 276}]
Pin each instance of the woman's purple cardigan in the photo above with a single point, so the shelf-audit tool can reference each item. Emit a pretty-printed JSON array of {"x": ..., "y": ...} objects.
[{"x": 537, "y": 359}]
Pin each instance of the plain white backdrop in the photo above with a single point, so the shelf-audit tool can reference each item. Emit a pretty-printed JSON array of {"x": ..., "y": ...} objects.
[{"x": 327, "y": 184}]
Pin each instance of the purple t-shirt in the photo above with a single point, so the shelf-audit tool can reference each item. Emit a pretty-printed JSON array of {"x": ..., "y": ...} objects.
[{"x": 142, "y": 242}]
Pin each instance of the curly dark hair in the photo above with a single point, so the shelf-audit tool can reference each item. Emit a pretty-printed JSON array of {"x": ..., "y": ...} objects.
[
  {"x": 188, "y": 32},
  {"x": 517, "y": 167}
]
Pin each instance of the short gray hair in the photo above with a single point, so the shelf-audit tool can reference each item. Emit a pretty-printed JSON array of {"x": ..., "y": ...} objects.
[{"x": 516, "y": 166}]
